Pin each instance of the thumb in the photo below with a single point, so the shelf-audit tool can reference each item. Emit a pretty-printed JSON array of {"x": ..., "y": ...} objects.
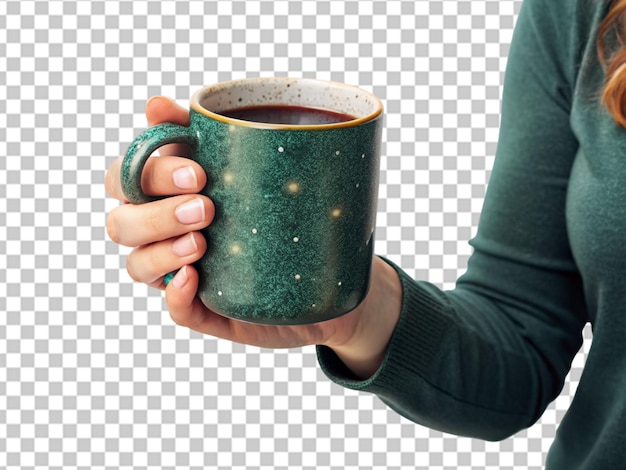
[{"x": 161, "y": 109}]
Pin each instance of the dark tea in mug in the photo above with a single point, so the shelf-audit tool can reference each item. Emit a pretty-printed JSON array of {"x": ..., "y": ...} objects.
[{"x": 287, "y": 114}]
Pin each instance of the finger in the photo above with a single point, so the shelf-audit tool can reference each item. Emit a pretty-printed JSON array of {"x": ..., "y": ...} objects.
[
  {"x": 187, "y": 310},
  {"x": 112, "y": 183},
  {"x": 160, "y": 109},
  {"x": 149, "y": 263},
  {"x": 135, "y": 225},
  {"x": 162, "y": 176},
  {"x": 167, "y": 176}
]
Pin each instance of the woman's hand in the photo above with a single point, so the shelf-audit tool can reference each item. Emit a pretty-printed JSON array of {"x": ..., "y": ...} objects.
[{"x": 165, "y": 236}]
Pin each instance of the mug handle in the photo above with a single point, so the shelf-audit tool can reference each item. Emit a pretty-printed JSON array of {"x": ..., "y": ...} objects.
[
  {"x": 140, "y": 150},
  {"x": 138, "y": 153}
]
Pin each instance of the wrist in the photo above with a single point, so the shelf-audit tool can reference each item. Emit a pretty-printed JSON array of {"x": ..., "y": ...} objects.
[{"x": 364, "y": 349}]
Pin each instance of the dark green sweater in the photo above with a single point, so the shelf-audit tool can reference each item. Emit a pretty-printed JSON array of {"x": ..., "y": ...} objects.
[{"x": 486, "y": 359}]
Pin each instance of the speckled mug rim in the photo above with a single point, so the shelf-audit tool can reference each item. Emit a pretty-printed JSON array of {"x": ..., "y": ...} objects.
[{"x": 199, "y": 96}]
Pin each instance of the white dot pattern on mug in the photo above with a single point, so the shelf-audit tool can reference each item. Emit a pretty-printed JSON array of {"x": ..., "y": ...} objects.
[
  {"x": 321, "y": 204},
  {"x": 85, "y": 352}
]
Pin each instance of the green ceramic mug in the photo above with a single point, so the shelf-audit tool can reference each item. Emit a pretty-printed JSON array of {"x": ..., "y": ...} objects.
[{"x": 292, "y": 167}]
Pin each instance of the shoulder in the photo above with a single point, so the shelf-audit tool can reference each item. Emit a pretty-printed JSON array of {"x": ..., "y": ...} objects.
[
  {"x": 554, "y": 37},
  {"x": 563, "y": 11}
]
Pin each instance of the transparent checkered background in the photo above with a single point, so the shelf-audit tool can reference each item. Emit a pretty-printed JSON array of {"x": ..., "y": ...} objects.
[{"x": 93, "y": 373}]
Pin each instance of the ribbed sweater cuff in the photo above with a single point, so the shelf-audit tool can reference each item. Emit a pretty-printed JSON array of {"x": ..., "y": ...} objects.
[{"x": 413, "y": 346}]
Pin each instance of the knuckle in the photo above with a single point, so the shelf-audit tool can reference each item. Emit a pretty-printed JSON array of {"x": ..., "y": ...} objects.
[
  {"x": 111, "y": 180},
  {"x": 112, "y": 228},
  {"x": 108, "y": 183},
  {"x": 155, "y": 262},
  {"x": 130, "y": 268},
  {"x": 154, "y": 220},
  {"x": 145, "y": 264}
]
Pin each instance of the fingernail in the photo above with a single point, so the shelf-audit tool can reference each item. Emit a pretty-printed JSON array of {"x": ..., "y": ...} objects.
[
  {"x": 151, "y": 99},
  {"x": 191, "y": 212},
  {"x": 181, "y": 278},
  {"x": 185, "y": 246},
  {"x": 185, "y": 178}
]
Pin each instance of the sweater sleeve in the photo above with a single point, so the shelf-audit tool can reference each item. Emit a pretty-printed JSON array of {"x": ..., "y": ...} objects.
[{"x": 485, "y": 359}]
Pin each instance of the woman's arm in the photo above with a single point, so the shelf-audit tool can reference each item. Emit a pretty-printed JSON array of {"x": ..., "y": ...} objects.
[{"x": 486, "y": 358}]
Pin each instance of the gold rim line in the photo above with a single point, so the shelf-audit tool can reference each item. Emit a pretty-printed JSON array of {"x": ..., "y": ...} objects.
[{"x": 195, "y": 105}]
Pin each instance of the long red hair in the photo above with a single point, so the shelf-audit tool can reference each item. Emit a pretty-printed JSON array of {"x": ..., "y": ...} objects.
[{"x": 614, "y": 61}]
